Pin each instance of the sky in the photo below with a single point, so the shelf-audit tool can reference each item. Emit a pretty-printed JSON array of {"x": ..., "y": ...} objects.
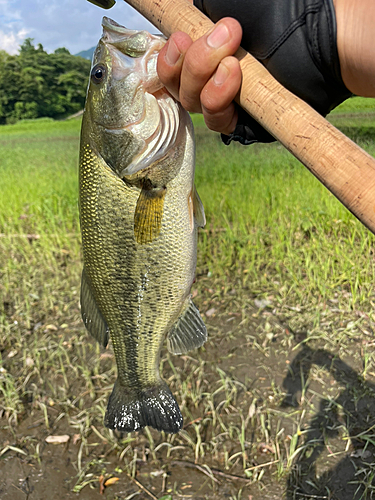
[{"x": 73, "y": 24}]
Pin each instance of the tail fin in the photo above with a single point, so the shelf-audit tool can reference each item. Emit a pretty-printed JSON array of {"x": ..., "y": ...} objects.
[{"x": 155, "y": 406}]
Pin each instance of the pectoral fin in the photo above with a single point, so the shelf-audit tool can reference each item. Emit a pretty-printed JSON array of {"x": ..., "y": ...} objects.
[
  {"x": 189, "y": 332},
  {"x": 92, "y": 317},
  {"x": 148, "y": 215}
]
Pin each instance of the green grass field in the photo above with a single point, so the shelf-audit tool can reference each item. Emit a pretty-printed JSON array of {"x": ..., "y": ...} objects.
[{"x": 280, "y": 401}]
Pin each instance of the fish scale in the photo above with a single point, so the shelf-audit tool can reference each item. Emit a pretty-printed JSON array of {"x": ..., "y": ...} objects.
[{"x": 139, "y": 230}]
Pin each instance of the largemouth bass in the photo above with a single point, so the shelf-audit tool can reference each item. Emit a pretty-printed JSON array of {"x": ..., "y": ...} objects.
[{"x": 139, "y": 214}]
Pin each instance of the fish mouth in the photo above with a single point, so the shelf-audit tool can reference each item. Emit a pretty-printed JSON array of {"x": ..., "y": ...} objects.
[{"x": 114, "y": 30}]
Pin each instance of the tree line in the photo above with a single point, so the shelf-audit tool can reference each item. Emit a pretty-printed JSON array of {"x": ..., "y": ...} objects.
[{"x": 36, "y": 84}]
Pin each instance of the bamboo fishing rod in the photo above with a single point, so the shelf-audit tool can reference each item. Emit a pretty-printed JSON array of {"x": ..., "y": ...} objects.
[{"x": 341, "y": 165}]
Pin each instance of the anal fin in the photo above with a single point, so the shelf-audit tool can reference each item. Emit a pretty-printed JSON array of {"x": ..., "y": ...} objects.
[
  {"x": 189, "y": 332},
  {"x": 148, "y": 215},
  {"x": 91, "y": 315}
]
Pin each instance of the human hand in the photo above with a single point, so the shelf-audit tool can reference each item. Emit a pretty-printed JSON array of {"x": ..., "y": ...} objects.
[{"x": 203, "y": 75}]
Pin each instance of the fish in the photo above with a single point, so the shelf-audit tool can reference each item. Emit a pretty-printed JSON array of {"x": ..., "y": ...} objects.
[{"x": 139, "y": 216}]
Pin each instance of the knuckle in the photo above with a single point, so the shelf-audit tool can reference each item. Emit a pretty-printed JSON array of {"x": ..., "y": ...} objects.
[
  {"x": 211, "y": 103},
  {"x": 189, "y": 103},
  {"x": 212, "y": 123},
  {"x": 193, "y": 65},
  {"x": 221, "y": 121},
  {"x": 211, "y": 107}
]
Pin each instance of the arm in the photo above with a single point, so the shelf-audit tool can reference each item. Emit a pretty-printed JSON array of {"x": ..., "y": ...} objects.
[{"x": 355, "y": 43}]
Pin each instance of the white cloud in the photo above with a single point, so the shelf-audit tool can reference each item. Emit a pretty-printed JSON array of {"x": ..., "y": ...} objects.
[
  {"x": 74, "y": 24},
  {"x": 10, "y": 42}
]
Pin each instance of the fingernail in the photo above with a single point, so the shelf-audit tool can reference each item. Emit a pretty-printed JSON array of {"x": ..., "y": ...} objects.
[
  {"x": 221, "y": 74},
  {"x": 173, "y": 54},
  {"x": 218, "y": 37}
]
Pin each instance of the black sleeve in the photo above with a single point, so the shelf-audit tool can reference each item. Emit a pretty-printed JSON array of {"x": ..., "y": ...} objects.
[{"x": 296, "y": 41}]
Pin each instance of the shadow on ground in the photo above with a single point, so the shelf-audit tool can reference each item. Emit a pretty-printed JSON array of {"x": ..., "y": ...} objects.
[{"x": 352, "y": 478}]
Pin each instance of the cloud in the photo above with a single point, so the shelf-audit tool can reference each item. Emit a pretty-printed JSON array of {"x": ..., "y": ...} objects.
[
  {"x": 10, "y": 42},
  {"x": 74, "y": 24}
]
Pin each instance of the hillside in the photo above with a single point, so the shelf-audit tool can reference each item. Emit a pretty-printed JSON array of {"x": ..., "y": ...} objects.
[{"x": 87, "y": 54}]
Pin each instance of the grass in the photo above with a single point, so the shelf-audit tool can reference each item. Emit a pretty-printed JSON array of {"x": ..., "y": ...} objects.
[{"x": 282, "y": 395}]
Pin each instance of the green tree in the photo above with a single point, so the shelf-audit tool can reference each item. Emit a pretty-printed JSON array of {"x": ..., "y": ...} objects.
[
  {"x": 3, "y": 56},
  {"x": 35, "y": 84}
]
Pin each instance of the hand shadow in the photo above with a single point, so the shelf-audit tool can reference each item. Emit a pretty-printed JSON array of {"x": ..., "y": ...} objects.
[{"x": 353, "y": 478}]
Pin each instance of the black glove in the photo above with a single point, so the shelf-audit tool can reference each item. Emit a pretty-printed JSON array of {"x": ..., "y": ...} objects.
[{"x": 296, "y": 41}]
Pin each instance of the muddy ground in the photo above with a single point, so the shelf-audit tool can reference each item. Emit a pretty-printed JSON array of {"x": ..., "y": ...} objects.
[{"x": 278, "y": 375}]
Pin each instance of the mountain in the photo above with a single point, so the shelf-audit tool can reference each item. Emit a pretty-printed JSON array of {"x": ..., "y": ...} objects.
[{"x": 87, "y": 54}]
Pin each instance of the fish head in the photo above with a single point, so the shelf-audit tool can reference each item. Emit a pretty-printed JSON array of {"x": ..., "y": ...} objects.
[
  {"x": 123, "y": 70},
  {"x": 131, "y": 118}
]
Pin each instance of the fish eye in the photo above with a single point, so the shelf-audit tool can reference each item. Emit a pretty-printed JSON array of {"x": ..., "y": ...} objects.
[{"x": 98, "y": 73}]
